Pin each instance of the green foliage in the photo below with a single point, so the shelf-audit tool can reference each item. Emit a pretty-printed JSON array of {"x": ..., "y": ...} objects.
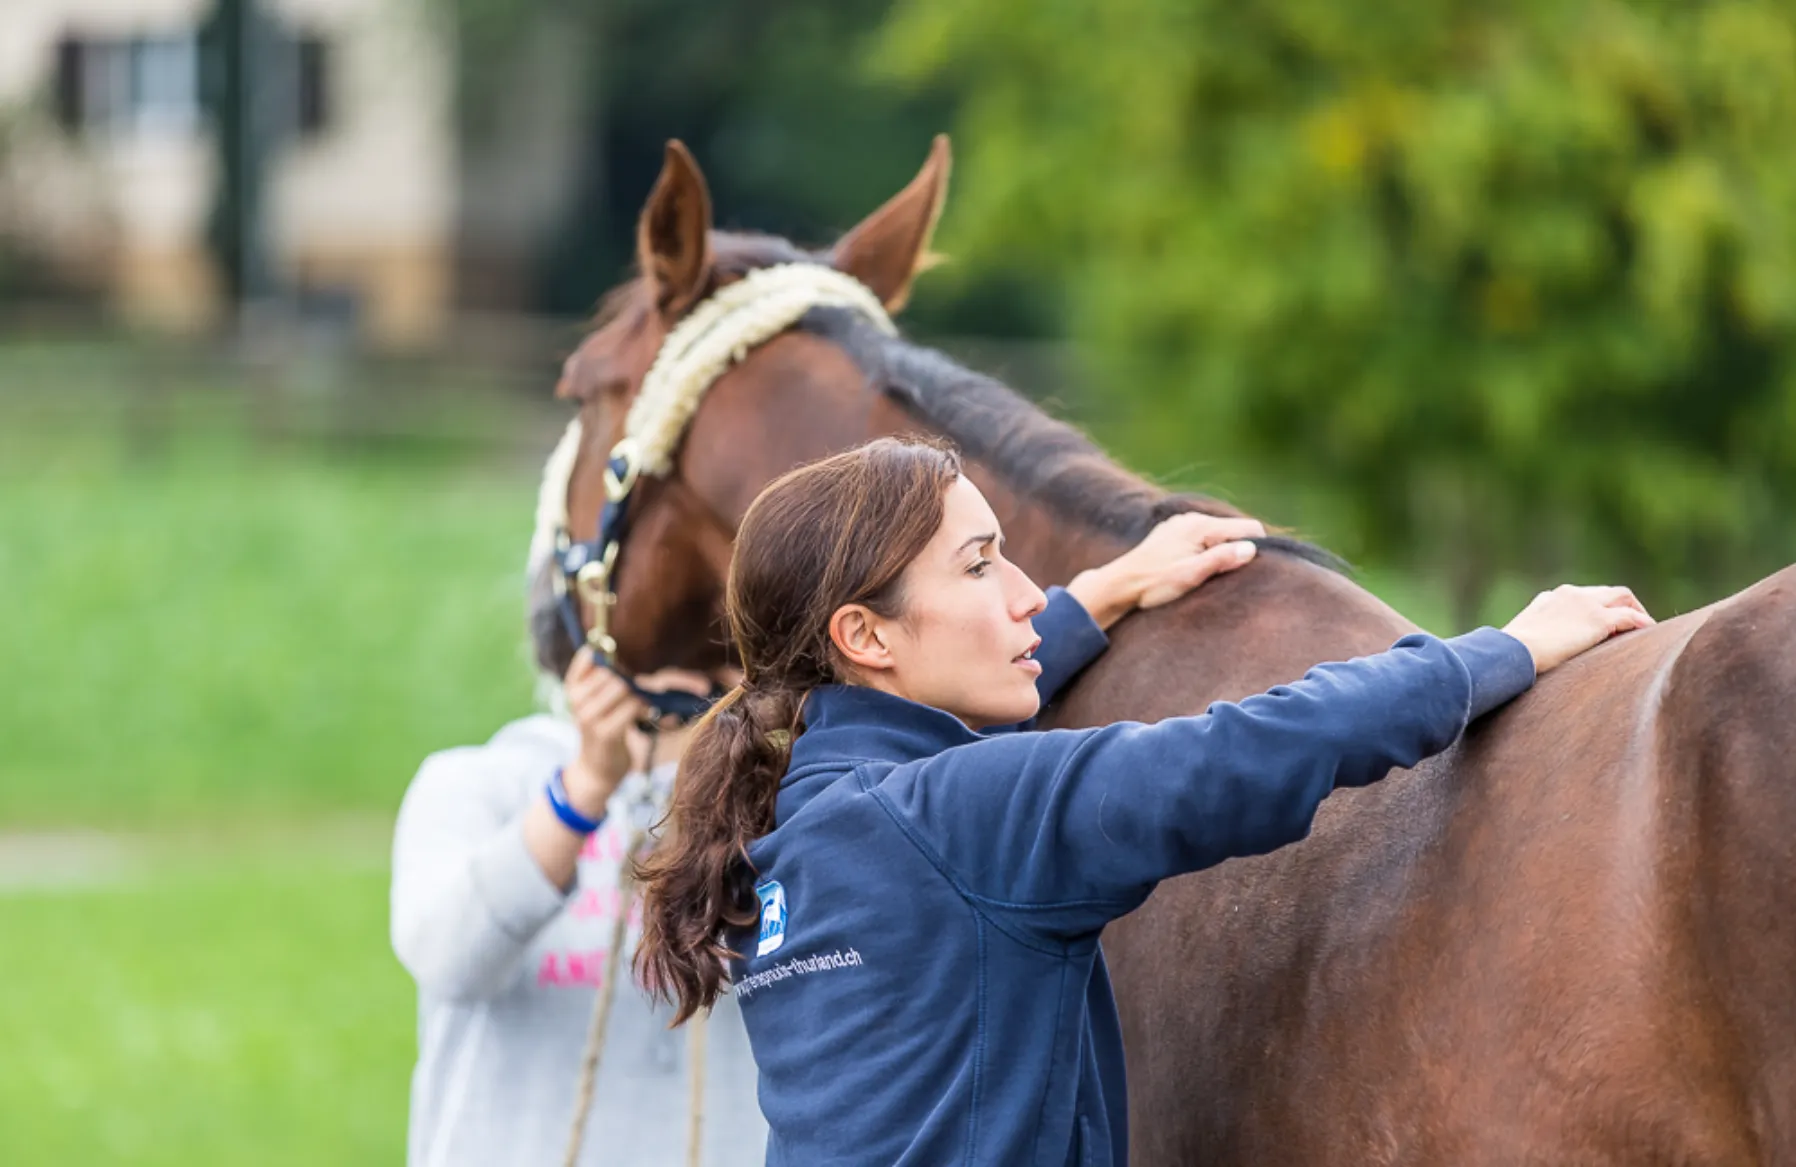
[
  {"x": 772, "y": 96},
  {"x": 775, "y": 99},
  {"x": 1516, "y": 283}
]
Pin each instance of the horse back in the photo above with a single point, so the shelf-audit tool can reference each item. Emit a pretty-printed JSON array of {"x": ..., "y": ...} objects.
[{"x": 1560, "y": 941}]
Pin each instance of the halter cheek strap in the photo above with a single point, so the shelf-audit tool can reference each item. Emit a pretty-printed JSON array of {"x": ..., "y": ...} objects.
[
  {"x": 587, "y": 568},
  {"x": 586, "y": 572}
]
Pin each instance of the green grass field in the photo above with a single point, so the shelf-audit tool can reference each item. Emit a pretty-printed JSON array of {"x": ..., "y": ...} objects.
[
  {"x": 237, "y": 1008},
  {"x": 224, "y": 625},
  {"x": 232, "y": 625},
  {"x": 235, "y": 618}
]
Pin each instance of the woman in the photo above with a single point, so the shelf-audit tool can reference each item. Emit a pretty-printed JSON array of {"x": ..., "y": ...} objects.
[
  {"x": 504, "y": 901},
  {"x": 909, "y": 903}
]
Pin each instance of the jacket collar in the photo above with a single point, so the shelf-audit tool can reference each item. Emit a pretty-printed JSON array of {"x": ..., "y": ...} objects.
[{"x": 846, "y": 725}]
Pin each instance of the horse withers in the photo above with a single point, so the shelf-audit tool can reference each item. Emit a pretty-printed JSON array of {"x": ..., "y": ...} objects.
[{"x": 1568, "y": 939}]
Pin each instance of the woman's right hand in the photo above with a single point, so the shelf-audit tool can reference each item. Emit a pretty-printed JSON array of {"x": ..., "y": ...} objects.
[
  {"x": 1564, "y": 622},
  {"x": 605, "y": 710}
]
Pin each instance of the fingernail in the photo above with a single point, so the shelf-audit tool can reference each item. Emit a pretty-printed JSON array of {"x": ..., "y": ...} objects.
[{"x": 1245, "y": 551}]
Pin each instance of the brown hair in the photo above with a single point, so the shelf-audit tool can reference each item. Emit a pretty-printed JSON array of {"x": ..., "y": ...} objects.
[{"x": 839, "y": 531}]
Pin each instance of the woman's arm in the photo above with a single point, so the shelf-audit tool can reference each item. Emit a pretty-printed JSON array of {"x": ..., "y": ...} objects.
[
  {"x": 472, "y": 886},
  {"x": 605, "y": 709},
  {"x": 467, "y": 894},
  {"x": 1070, "y": 829}
]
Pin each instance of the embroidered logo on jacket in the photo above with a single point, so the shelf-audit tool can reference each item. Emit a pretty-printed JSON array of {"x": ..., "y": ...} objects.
[{"x": 773, "y": 916}]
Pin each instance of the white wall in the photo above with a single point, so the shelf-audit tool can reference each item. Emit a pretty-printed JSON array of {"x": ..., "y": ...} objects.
[
  {"x": 368, "y": 205},
  {"x": 384, "y": 173}
]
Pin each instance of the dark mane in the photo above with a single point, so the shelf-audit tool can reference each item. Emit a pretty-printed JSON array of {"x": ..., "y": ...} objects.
[
  {"x": 1039, "y": 456},
  {"x": 736, "y": 253}
]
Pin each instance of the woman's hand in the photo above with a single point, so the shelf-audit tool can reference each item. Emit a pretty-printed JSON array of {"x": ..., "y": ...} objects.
[
  {"x": 1177, "y": 555},
  {"x": 1564, "y": 622},
  {"x": 605, "y": 710}
]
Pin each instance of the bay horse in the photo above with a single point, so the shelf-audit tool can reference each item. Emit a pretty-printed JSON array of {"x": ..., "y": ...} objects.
[{"x": 1569, "y": 939}]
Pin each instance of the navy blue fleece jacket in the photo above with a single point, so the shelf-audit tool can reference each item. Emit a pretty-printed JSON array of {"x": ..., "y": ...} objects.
[{"x": 926, "y": 987}]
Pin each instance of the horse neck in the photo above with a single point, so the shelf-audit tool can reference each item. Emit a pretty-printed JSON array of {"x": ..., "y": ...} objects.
[
  {"x": 1047, "y": 542},
  {"x": 1051, "y": 548},
  {"x": 1237, "y": 635},
  {"x": 1066, "y": 507}
]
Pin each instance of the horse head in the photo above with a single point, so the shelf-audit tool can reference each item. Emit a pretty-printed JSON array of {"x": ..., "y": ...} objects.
[{"x": 794, "y": 398}]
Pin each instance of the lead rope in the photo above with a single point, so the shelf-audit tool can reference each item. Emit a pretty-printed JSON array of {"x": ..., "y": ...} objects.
[
  {"x": 601, "y": 1012},
  {"x": 601, "y": 1017},
  {"x": 696, "y": 1029}
]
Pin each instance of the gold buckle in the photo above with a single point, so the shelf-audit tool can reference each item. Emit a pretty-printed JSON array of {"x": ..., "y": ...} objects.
[
  {"x": 594, "y": 576},
  {"x": 594, "y": 581}
]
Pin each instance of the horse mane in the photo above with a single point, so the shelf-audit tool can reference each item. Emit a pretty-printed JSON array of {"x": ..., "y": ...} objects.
[{"x": 1039, "y": 456}]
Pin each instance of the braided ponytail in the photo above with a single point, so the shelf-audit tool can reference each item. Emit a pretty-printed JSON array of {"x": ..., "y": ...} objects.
[
  {"x": 840, "y": 531},
  {"x": 698, "y": 882}
]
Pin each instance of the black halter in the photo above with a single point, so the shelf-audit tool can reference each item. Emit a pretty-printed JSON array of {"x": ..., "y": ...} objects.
[{"x": 587, "y": 572}]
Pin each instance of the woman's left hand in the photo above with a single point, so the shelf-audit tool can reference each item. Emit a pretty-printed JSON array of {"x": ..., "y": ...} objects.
[{"x": 1179, "y": 554}]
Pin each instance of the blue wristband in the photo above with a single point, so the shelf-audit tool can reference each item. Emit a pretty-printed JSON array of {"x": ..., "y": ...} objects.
[{"x": 572, "y": 819}]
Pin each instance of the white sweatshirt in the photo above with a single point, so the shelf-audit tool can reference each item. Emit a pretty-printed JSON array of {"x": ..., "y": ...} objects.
[{"x": 507, "y": 966}]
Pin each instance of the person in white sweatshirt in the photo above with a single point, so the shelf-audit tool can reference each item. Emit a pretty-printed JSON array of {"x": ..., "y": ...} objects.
[{"x": 505, "y": 892}]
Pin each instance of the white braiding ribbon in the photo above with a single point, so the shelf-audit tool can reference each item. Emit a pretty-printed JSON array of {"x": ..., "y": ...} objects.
[{"x": 720, "y": 332}]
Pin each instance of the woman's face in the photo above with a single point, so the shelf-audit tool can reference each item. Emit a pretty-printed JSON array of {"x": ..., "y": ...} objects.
[{"x": 963, "y": 641}]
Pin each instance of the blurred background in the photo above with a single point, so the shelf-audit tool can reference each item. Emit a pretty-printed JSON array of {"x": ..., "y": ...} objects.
[{"x": 1483, "y": 297}]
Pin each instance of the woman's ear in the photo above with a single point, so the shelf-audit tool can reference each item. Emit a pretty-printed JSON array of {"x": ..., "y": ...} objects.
[{"x": 859, "y": 635}]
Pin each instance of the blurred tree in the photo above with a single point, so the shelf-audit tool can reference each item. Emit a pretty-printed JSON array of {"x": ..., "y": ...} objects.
[
  {"x": 1513, "y": 283},
  {"x": 774, "y": 98}
]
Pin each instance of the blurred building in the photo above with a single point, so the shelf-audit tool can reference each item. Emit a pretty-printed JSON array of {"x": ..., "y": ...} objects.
[{"x": 109, "y": 168}]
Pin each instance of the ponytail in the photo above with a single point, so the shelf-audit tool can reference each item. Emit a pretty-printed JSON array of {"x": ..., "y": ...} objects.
[
  {"x": 840, "y": 531},
  {"x": 698, "y": 883}
]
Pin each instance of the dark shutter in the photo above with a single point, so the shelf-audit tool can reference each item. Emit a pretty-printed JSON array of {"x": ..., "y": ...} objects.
[
  {"x": 314, "y": 85},
  {"x": 71, "y": 59}
]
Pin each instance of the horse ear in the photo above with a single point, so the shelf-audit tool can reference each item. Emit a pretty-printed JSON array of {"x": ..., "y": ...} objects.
[
  {"x": 673, "y": 235},
  {"x": 891, "y": 246}
]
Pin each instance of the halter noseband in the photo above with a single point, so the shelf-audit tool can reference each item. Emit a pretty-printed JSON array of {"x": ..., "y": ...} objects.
[{"x": 715, "y": 335}]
